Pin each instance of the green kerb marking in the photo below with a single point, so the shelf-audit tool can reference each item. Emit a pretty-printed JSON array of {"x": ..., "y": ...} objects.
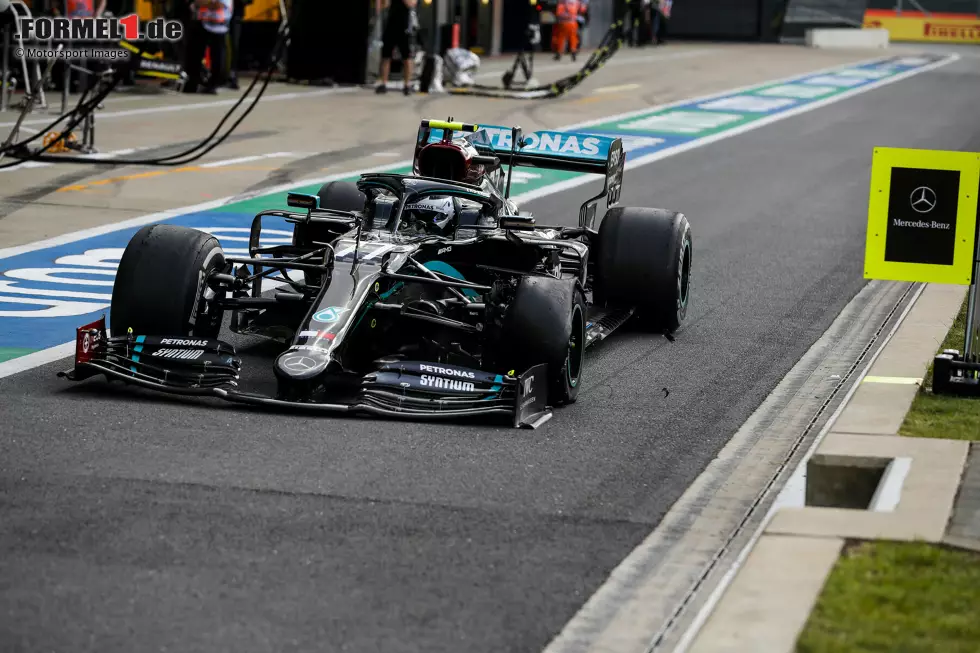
[{"x": 10, "y": 353}]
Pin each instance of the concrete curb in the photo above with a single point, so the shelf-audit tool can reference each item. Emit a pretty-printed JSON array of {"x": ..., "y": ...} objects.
[{"x": 913, "y": 486}]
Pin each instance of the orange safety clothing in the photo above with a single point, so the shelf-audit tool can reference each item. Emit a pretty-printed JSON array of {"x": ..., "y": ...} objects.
[{"x": 563, "y": 33}]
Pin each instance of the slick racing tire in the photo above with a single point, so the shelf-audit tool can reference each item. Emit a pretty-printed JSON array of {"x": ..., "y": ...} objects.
[
  {"x": 545, "y": 323},
  {"x": 160, "y": 284},
  {"x": 644, "y": 261},
  {"x": 336, "y": 195}
]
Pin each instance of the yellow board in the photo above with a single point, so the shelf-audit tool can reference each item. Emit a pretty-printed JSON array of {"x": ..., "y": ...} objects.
[
  {"x": 935, "y": 29},
  {"x": 259, "y": 10},
  {"x": 144, "y": 9},
  {"x": 922, "y": 216},
  {"x": 263, "y": 10}
]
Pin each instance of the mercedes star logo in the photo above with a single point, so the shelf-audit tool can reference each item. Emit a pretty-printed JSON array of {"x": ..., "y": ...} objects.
[
  {"x": 299, "y": 364},
  {"x": 923, "y": 199}
]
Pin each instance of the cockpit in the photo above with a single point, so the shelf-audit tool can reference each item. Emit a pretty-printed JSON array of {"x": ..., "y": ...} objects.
[{"x": 433, "y": 212}]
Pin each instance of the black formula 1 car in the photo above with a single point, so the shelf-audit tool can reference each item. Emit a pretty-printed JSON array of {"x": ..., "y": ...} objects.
[{"x": 424, "y": 295}]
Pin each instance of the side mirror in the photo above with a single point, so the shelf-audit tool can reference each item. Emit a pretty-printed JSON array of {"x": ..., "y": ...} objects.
[
  {"x": 491, "y": 161},
  {"x": 523, "y": 222},
  {"x": 303, "y": 201}
]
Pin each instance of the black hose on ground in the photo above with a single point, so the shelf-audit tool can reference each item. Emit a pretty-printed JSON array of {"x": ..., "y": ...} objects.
[
  {"x": 179, "y": 159},
  {"x": 610, "y": 44}
]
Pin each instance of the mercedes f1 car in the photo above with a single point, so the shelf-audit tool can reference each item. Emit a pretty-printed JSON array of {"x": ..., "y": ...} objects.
[{"x": 423, "y": 295}]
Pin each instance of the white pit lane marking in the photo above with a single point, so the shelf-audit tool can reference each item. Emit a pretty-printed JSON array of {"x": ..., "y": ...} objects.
[
  {"x": 798, "y": 91},
  {"x": 834, "y": 80},
  {"x": 749, "y": 103},
  {"x": 681, "y": 122},
  {"x": 615, "y": 89}
]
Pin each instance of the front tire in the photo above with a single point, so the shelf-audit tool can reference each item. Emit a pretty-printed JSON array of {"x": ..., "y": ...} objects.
[
  {"x": 160, "y": 283},
  {"x": 643, "y": 260},
  {"x": 545, "y": 323}
]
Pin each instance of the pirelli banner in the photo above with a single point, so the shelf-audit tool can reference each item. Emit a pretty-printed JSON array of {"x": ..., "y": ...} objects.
[
  {"x": 922, "y": 216},
  {"x": 916, "y": 26}
]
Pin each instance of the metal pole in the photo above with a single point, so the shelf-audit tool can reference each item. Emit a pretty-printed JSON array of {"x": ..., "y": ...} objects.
[
  {"x": 969, "y": 346},
  {"x": 4, "y": 94},
  {"x": 64, "y": 91},
  {"x": 971, "y": 339},
  {"x": 435, "y": 27},
  {"x": 28, "y": 106}
]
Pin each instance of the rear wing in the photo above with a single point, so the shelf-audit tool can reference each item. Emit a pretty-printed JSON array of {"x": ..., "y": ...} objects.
[{"x": 567, "y": 151}]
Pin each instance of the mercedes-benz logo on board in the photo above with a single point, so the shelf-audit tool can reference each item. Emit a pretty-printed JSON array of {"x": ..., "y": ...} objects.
[{"x": 923, "y": 199}]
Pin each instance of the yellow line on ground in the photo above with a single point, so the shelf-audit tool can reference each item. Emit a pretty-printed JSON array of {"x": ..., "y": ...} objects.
[
  {"x": 896, "y": 380},
  {"x": 157, "y": 173},
  {"x": 598, "y": 98}
]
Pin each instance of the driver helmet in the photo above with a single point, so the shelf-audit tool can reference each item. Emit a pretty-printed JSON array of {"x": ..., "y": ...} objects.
[{"x": 431, "y": 215}]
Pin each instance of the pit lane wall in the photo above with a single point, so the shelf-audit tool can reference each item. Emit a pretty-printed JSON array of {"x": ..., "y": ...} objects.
[{"x": 48, "y": 289}]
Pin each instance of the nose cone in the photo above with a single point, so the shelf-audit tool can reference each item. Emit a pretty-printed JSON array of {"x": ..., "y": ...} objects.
[{"x": 301, "y": 365}]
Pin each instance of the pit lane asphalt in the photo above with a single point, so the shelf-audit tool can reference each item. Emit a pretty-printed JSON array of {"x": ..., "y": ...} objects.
[{"x": 162, "y": 524}]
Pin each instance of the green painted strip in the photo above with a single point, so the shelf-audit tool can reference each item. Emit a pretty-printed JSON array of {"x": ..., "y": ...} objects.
[{"x": 10, "y": 353}]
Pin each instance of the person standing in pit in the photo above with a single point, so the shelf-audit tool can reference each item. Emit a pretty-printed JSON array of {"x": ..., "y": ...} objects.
[
  {"x": 660, "y": 19},
  {"x": 566, "y": 28},
  {"x": 583, "y": 19},
  {"x": 85, "y": 9},
  {"x": 235, "y": 42},
  {"x": 399, "y": 33},
  {"x": 209, "y": 32}
]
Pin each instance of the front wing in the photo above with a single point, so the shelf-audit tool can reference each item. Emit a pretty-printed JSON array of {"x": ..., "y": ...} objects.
[{"x": 202, "y": 367}]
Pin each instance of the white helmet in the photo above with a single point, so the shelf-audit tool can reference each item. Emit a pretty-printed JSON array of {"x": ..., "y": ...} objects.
[{"x": 431, "y": 215}]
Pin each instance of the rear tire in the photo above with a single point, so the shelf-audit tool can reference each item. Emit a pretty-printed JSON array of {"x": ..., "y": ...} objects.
[
  {"x": 160, "y": 284},
  {"x": 545, "y": 323},
  {"x": 643, "y": 260},
  {"x": 335, "y": 195}
]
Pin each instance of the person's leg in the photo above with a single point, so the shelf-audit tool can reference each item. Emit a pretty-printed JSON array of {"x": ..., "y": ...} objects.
[
  {"x": 234, "y": 55},
  {"x": 573, "y": 39},
  {"x": 196, "y": 44},
  {"x": 387, "y": 49},
  {"x": 558, "y": 42},
  {"x": 217, "y": 43},
  {"x": 408, "y": 59}
]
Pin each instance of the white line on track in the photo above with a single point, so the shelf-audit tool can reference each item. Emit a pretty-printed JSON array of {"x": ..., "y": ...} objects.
[
  {"x": 55, "y": 353},
  {"x": 108, "y": 156},
  {"x": 625, "y": 61},
  {"x": 249, "y": 159},
  {"x": 602, "y": 90},
  {"x": 96, "y": 157},
  {"x": 217, "y": 104}
]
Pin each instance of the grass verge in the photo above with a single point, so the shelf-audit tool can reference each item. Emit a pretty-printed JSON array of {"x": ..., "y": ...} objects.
[
  {"x": 897, "y": 596},
  {"x": 936, "y": 416}
]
